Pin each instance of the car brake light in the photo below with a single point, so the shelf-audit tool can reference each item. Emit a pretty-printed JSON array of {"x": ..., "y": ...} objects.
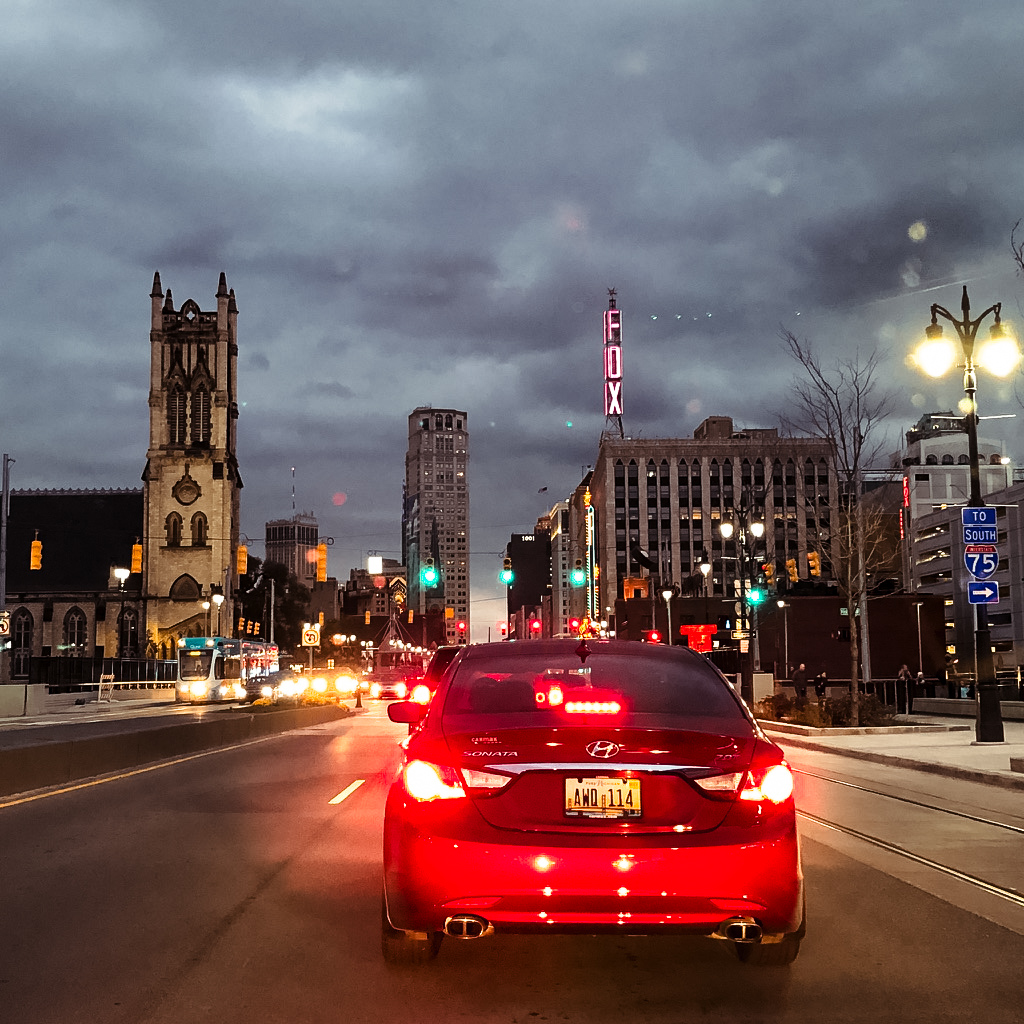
[
  {"x": 774, "y": 784},
  {"x": 420, "y": 694},
  {"x": 592, "y": 707},
  {"x": 425, "y": 781}
]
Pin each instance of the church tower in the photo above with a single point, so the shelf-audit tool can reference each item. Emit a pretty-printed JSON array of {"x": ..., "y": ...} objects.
[{"x": 191, "y": 480}]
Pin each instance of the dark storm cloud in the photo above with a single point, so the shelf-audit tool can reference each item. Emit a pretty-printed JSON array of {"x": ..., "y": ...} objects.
[{"x": 426, "y": 204}]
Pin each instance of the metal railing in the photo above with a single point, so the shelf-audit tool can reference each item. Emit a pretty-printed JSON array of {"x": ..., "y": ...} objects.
[{"x": 70, "y": 674}]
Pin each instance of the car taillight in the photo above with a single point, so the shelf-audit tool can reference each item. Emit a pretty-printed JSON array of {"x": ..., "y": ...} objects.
[
  {"x": 420, "y": 694},
  {"x": 425, "y": 781},
  {"x": 484, "y": 782},
  {"x": 774, "y": 784}
]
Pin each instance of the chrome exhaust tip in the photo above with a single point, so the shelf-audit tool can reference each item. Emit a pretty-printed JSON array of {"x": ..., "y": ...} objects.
[
  {"x": 467, "y": 926},
  {"x": 739, "y": 929}
]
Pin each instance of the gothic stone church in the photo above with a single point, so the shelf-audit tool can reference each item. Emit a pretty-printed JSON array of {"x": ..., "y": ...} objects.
[{"x": 186, "y": 516}]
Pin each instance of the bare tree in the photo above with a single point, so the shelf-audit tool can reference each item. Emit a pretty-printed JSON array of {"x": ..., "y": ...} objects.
[{"x": 844, "y": 405}]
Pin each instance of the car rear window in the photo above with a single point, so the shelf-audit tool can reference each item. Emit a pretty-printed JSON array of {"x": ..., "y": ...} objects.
[{"x": 544, "y": 688}]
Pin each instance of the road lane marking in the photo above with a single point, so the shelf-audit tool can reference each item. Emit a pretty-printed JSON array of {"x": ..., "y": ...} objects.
[{"x": 347, "y": 791}]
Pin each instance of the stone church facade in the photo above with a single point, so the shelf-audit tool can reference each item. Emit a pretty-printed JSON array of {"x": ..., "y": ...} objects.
[{"x": 191, "y": 483}]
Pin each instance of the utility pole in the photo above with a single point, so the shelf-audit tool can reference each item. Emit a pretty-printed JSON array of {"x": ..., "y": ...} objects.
[{"x": 5, "y": 508}]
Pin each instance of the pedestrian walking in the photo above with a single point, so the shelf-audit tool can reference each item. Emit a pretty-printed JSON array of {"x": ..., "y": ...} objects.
[
  {"x": 800, "y": 685},
  {"x": 821, "y": 685}
]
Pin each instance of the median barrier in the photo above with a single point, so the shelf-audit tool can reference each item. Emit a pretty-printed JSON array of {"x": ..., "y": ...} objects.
[{"x": 39, "y": 766}]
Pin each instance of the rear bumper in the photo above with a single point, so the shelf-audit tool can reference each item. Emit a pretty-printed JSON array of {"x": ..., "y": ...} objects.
[{"x": 529, "y": 886}]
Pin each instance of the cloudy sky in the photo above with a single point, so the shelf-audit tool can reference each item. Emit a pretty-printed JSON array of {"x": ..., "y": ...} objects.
[{"x": 425, "y": 204}]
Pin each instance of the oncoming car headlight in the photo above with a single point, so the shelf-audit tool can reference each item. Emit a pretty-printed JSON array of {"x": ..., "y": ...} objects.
[
  {"x": 320, "y": 684},
  {"x": 267, "y": 691}
]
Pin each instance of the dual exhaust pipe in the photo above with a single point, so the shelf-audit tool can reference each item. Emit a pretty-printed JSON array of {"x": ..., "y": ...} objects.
[
  {"x": 468, "y": 926},
  {"x": 740, "y": 929},
  {"x": 471, "y": 926}
]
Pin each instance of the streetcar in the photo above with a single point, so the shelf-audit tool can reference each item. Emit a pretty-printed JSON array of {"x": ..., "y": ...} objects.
[{"x": 216, "y": 669}]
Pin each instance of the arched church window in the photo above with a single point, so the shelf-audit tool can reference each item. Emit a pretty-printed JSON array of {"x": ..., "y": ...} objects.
[
  {"x": 75, "y": 633},
  {"x": 185, "y": 588},
  {"x": 172, "y": 527},
  {"x": 448, "y": 421},
  {"x": 201, "y": 415},
  {"x": 128, "y": 634},
  {"x": 176, "y": 414},
  {"x": 200, "y": 531},
  {"x": 21, "y": 643}
]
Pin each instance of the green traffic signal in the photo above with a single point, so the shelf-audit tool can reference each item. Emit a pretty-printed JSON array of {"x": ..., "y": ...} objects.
[
  {"x": 506, "y": 575},
  {"x": 756, "y": 596},
  {"x": 428, "y": 574},
  {"x": 578, "y": 576}
]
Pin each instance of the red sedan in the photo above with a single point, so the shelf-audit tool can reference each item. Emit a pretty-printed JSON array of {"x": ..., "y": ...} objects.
[{"x": 589, "y": 786}]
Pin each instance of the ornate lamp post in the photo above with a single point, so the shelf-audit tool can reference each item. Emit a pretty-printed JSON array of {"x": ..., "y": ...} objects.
[
  {"x": 667, "y": 594},
  {"x": 1000, "y": 356},
  {"x": 749, "y": 532},
  {"x": 705, "y": 568}
]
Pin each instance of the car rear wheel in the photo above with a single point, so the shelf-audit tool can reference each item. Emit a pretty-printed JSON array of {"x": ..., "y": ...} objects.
[{"x": 406, "y": 948}]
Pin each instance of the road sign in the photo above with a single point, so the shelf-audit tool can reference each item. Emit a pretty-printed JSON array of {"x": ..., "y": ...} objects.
[
  {"x": 984, "y": 516},
  {"x": 311, "y": 637},
  {"x": 983, "y": 593},
  {"x": 980, "y": 534},
  {"x": 981, "y": 560},
  {"x": 5, "y": 623}
]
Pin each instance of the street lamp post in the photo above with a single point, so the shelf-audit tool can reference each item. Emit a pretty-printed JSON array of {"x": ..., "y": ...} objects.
[
  {"x": 705, "y": 568},
  {"x": 667, "y": 594},
  {"x": 748, "y": 605},
  {"x": 785, "y": 638},
  {"x": 1000, "y": 356},
  {"x": 218, "y": 600}
]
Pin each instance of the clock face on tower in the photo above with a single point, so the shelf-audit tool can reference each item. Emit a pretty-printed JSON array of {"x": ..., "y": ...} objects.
[{"x": 186, "y": 490}]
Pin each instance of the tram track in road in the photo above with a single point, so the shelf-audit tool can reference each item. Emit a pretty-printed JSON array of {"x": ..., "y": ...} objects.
[{"x": 1007, "y": 830}]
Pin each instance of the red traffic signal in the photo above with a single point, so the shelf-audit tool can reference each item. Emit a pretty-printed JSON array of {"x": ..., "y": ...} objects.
[
  {"x": 461, "y": 626},
  {"x": 535, "y": 625},
  {"x": 653, "y": 636}
]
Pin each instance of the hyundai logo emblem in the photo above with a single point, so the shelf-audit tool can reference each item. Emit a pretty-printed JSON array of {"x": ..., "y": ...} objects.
[{"x": 603, "y": 748}]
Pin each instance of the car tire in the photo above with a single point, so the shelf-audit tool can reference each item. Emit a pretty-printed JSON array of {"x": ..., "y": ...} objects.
[{"x": 406, "y": 949}]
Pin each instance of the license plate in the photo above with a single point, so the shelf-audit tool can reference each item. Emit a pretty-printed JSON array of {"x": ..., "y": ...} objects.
[{"x": 602, "y": 797}]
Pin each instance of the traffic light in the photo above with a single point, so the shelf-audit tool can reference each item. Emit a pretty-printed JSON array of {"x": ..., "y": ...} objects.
[
  {"x": 535, "y": 625},
  {"x": 769, "y": 574},
  {"x": 428, "y": 574},
  {"x": 794, "y": 576},
  {"x": 366, "y": 618},
  {"x": 321, "y": 562},
  {"x": 574, "y": 624},
  {"x": 653, "y": 636},
  {"x": 461, "y": 627},
  {"x": 578, "y": 576},
  {"x": 136, "y": 557},
  {"x": 506, "y": 575},
  {"x": 503, "y": 628},
  {"x": 755, "y": 595},
  {"x": 242, "y": 560},
  {"x": 36, "y": 558},
  {"x": 814, "y": 562}
]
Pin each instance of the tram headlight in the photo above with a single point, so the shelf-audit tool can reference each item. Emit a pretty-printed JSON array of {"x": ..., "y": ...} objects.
[{"x": 198, "y": 688}]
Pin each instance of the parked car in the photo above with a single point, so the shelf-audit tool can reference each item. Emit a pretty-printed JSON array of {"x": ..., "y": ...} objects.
[{"x": 592, "y": 786}]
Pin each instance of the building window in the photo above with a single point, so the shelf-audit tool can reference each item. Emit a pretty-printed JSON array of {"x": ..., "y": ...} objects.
[
  {"x": 172, "y": 529},
  {"x": 199, "y": 530},
  {"x": 75, "y": 633},
  {"x": 201, "y": 415},
  {"x": 21, "y": 643},
  {"x": 128, "y": 634},
  {"x": 176, "y": 415}
]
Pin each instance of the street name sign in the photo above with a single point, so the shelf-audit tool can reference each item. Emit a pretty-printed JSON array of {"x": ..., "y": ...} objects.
[
  {"x": 981, "y": 560},
  {"x": 983, "y": 593}
]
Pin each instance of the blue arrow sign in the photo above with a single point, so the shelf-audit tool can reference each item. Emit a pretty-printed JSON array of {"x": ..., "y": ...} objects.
[
  {"x": 983, "y": 593},
  {"x": 984, "y": 516},
  {"x": 981, "y": 560}
]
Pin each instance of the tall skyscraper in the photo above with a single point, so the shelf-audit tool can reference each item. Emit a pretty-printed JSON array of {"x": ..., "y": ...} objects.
[
  {"x": 292, "y": 542},
  {"x": 435, "y": 517}
]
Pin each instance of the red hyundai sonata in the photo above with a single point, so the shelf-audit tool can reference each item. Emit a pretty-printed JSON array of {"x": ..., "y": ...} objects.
[{"x": 589, "y": 786}]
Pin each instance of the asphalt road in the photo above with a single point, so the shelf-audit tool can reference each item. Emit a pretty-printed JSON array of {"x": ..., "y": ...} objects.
[{"x": 227, "y": 886}]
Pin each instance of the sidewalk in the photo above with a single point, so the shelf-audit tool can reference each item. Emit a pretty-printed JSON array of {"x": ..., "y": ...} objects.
[{"x": 940, "y": 745}]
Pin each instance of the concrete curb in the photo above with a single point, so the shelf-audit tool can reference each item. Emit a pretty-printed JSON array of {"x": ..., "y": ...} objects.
[
  {"x": 27, "y": 768},
  {"x": 950, "y": 771}
]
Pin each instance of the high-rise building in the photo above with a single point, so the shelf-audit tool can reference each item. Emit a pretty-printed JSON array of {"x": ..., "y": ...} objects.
[
  {"x": 435, "y": 517},
  {"x": 293, "y": 542}
]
